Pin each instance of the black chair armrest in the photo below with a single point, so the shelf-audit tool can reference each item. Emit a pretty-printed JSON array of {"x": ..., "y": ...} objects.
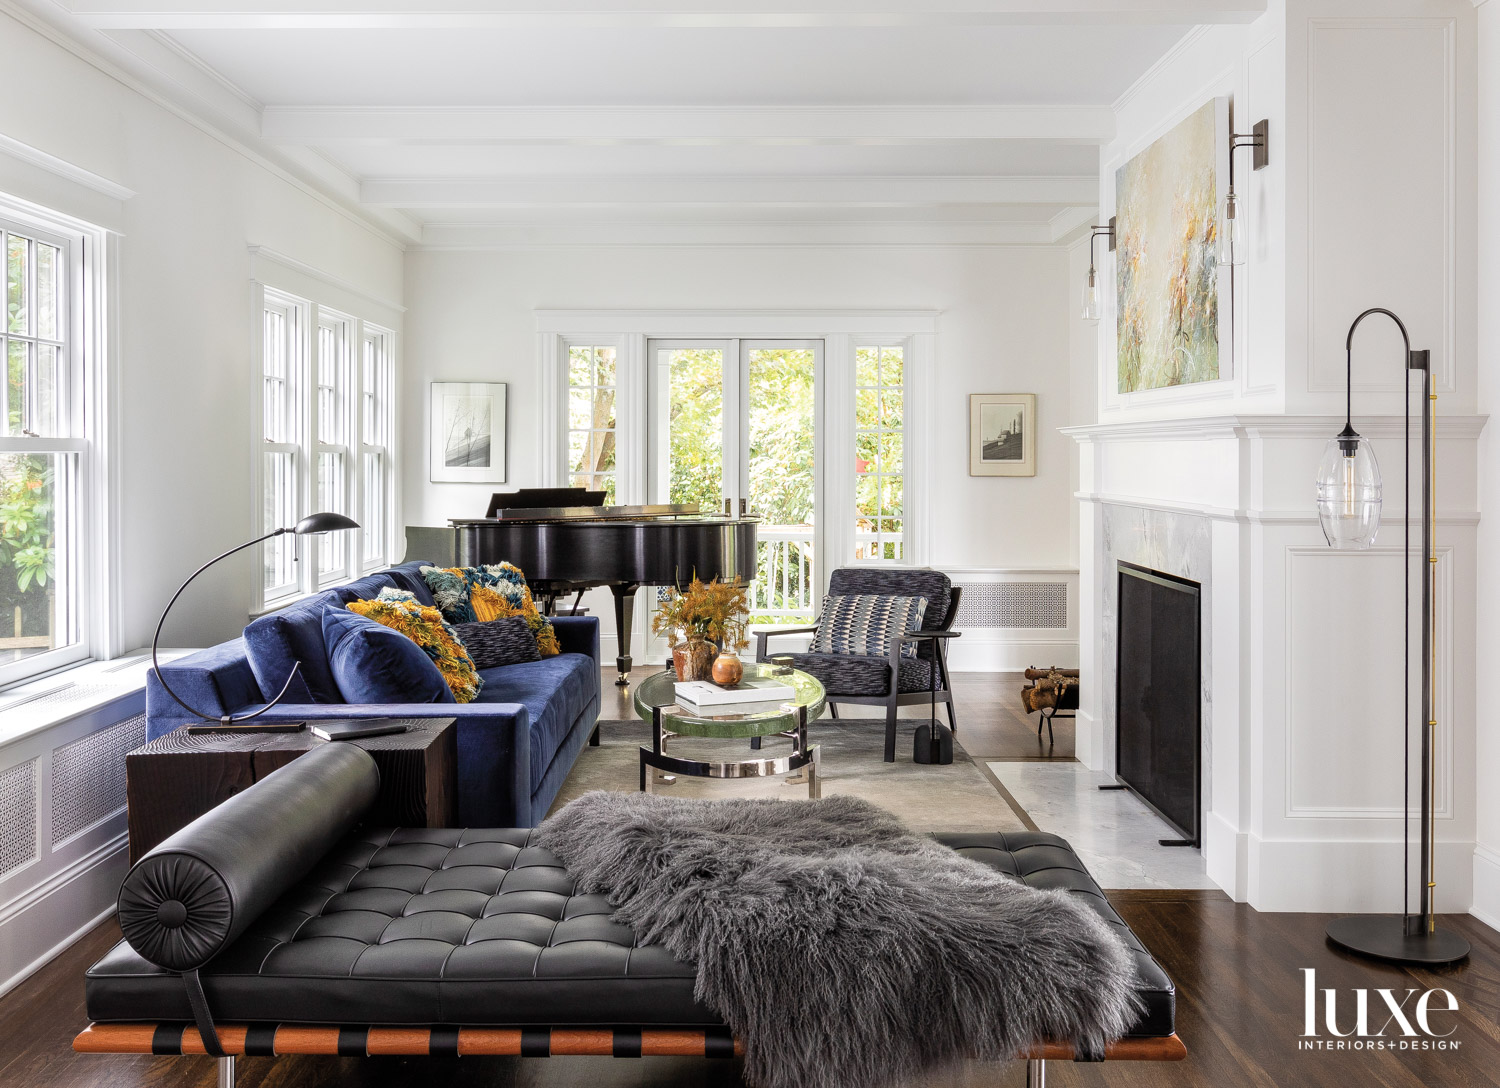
[
  {"x": 762, "y": 636},
  {"x": 900, "y": 640}
]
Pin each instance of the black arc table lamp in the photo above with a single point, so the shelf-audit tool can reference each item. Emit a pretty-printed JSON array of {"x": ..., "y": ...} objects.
[
  {"x": 311, "y": 525},
  {"x": 1349, "y": 501}
]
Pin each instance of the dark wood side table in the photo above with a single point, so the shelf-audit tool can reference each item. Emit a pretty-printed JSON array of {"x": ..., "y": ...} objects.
[{"x": 177, "y": 778}]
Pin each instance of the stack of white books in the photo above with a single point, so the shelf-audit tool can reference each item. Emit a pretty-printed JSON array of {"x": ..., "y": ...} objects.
[{"x": 747, "y": 697}]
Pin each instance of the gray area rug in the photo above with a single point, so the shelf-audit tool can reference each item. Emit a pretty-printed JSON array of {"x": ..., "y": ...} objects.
[
  {"x": 843, "y": 949},
  {"x": 958, "y": 797}
]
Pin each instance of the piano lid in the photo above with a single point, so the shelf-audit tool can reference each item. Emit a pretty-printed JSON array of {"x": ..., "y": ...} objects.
[{"x": 648, "y": 512}]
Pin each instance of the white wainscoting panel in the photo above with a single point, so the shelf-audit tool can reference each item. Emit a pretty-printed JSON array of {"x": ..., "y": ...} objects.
[
  {"x": 1344, "y": 691},
  {"x": 62, "y": 808}
]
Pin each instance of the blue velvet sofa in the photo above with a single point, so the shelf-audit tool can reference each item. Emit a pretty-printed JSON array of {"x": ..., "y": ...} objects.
[{"x": 516, "y": 742}]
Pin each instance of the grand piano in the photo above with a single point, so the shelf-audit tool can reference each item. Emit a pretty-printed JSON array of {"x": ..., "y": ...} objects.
[{"x": 572, "y": 545}]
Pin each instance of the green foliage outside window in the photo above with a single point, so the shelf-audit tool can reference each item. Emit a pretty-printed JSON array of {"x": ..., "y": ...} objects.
[{"x": 27, "y": 543}]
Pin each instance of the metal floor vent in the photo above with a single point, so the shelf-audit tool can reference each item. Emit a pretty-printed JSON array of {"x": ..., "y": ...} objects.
[
  {"x": 88, "y": 777},
  {"x": 18, "y": 830},
  {"x": 1014, "y": 604}
]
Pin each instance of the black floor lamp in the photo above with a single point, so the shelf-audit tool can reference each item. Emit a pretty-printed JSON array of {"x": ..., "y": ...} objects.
[
  {"x": 308, "y": 526},
  {"x": 1349, "y": 499}
]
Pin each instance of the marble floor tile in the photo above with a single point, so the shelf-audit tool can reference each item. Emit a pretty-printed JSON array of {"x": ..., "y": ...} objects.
[{"x": 1114, "y": 832}]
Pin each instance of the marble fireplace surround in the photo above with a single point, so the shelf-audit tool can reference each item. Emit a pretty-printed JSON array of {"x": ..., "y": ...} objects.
[{"x": 1172, "y": 543}]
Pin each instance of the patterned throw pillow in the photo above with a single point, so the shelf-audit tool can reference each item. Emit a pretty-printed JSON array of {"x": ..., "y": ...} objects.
[
  {"x": 506, "y": 641},
  {"x": 864, "y": 623},
  {"x": 479, "y": 594},
  {"x": 400, "y": 611}
]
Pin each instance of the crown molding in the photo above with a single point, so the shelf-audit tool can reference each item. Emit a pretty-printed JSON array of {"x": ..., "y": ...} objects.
[
  {"x": 116, "y": 57},
  {"x": 64, "y": 169}
]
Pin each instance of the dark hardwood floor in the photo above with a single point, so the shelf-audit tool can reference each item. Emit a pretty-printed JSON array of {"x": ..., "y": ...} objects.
[{"x": 1238, "y": 973}]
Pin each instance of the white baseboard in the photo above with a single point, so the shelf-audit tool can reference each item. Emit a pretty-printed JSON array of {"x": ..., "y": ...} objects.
[
  {"x": 1088, "y": 741},
  {"x": 1322, "y": 876},
  {"x": 59, "y": 911},
  {"x": 1486, "y": 905},
  {"x": 1227, "y": 852}
]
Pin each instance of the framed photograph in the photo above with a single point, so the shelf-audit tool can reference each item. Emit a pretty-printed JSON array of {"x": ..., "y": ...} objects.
[
  {"x": 468, "y": 432},
  {"x": 1002, "y": 434}
]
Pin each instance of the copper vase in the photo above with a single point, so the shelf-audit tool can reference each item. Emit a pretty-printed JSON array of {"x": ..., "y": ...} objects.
[
  {"x": 728, "y": 670},
  {"x": 693, "y": 659}
]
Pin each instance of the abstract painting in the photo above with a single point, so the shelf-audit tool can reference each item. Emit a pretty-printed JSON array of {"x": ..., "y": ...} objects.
[{"x": 1167, "y": 281}]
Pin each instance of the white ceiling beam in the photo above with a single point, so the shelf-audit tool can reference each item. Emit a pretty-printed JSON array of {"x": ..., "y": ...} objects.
[
  {"x": 845, "y": 191},
  {"x": 695, "y": 124},
  {"x": 482, "y": 234},
  {"x": 478, "y": 14}
]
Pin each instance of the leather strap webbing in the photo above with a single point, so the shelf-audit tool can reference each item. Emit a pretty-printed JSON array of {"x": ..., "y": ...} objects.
[{"x": 204, "y": 1019}]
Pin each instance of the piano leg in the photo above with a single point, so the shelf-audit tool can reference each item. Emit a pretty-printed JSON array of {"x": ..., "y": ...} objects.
[{"x": 624, "y": 623}]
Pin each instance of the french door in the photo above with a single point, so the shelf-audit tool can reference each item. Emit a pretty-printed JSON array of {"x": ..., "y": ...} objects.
[{"x": 733, "y": 426}]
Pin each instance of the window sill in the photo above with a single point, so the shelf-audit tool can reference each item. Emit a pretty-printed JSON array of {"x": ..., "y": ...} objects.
[{"x": 31, "y": 706}]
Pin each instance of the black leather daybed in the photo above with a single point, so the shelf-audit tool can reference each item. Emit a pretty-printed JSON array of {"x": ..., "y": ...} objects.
[{"x": 277, "y": 924}]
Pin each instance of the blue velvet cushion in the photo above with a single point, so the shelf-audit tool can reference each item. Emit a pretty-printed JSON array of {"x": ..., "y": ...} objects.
[
  {"x": 372, "y": 663},
  {"x": 555, "y": 690},
  {"x": 294, "y": 635}
]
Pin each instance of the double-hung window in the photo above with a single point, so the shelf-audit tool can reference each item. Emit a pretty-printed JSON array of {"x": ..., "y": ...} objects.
[
  {"x": 879, "y": 452},
  {"x": 326, "y": 430},
  {"x": 48, "y": 446},
  {"x": 375, "y": 399},
  {"x": 591, "y": 419},
  {"x": 282, "y": 360},
  {"x": 333, "y": 421}
]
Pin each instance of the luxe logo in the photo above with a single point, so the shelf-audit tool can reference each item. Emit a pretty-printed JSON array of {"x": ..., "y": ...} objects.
[{"x": 1388, "y": 1022}]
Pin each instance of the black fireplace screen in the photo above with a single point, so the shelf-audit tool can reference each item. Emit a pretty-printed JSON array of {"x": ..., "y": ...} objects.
[{"x": 1158, "y": 704}]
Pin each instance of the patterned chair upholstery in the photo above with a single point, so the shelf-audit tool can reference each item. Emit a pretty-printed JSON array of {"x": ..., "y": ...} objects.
[{"x": 866, "y": 678}]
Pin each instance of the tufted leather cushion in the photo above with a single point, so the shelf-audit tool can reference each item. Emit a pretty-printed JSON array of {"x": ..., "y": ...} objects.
[
  {"x": 194, "y": 894},
  {"x": 420, "y": 926},
  {"x": 859, "y": 674},
  {"x": 424, "y": 926},
  {"x": 1047, "y": 861}
]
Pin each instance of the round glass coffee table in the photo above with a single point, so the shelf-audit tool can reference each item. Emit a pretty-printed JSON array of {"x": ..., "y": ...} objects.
[{"x": 656, "y": 702}]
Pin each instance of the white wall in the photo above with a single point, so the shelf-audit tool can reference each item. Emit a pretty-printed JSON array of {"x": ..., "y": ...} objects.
[
  {"x": 184, "y": 377},
  {"x": 1305, "y": 739},
  {"x": 1487, "y": 596},
  {"x": 1004, "y": 327}
]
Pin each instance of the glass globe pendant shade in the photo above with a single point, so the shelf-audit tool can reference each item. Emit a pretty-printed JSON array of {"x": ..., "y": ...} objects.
[
  {"x": 1231, "y": 231},
  {"x": 1093, "y": 304},
  {"x": 1349, "y": 493}
]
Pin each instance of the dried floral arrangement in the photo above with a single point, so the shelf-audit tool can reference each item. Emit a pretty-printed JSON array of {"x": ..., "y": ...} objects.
[{"x": 716, "y": 611}]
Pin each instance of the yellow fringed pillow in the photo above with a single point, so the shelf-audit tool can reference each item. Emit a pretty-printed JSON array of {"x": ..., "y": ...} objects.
[
  {"x": 481, "y": 594},
  {"x": 426, "y": 627}
]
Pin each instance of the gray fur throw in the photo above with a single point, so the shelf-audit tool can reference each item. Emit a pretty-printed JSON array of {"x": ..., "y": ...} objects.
[{"x": 843, "y": 949}]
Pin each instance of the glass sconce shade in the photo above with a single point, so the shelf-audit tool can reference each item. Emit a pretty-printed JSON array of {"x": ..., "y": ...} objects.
[
  {"x": 1093, "y": 304},
  {"x": 1231, "y": 231},
  {"x": 1349, "y": 493}
]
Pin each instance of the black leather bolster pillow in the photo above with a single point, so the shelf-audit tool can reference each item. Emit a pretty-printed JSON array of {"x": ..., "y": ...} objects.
[{"x": 186, "y": 900}]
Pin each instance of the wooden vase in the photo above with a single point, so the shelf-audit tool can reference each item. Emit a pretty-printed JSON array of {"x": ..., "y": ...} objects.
[
  {"x": 728, "y": 670},
  {"x": 693, "y": 659}
]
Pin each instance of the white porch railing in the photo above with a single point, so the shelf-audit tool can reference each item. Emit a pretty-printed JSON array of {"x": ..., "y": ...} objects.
[{"x": 785, "y": 580}]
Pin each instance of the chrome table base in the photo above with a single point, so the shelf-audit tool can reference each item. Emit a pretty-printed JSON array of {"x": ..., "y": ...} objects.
[{"x": 658, "y": 766}]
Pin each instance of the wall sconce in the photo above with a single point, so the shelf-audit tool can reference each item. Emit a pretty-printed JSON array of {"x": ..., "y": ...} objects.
[
  {"x": 1093, "y": 302},
  {"x": 1231, "y": 215}
]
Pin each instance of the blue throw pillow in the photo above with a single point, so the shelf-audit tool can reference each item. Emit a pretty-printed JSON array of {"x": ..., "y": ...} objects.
[{"x": 374, "y": 664}]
